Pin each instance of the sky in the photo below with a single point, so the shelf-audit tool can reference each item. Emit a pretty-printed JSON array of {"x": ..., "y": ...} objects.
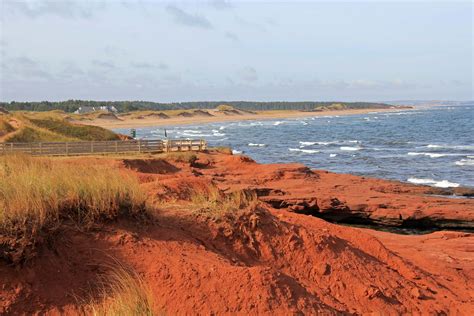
[{"x": 236, "y": 50}]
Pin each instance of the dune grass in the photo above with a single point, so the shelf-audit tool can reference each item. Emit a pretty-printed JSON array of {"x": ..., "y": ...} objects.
[
  {"x": 217, "y": 204},
  {"x": 180, "y": 156},
  {"x": 81, "y": 132},
  {"x": 214, "y": 203},
  {"x": 123, "y": 293},
  {"x": 51, "y": 126},
  {"x": 5, "y": 127},
  {"x": 38, "y": 194}
]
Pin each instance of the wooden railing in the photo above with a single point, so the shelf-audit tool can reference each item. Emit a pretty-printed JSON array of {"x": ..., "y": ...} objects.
[{"x": 102, "y": 147}]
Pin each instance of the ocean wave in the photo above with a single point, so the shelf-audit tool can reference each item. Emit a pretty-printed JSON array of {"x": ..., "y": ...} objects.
[
  {"x": 220, "y": 139},
  {"x": 278, "y": 123},
  {"x": 431, "y": 155},
  {"x": 459, "y": 147},
  {"x": 465, "y": 162},
  {"x": 217, "y": 133},
  {"x": 236, "y": 152},
  {"x": 348, "y": 148},
  {"x": 316, "y": 143},
  {"x": 256, "y": 145},
  {"x": 431, "y": 182},
  {"x": 332, "y": 155},
  {"x": 195, "y": 134},
  {"x": 306, "y": 151}
]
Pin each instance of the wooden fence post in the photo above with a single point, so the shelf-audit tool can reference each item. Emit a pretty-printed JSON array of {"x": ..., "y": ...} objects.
[{"x": 139, "y": 146}]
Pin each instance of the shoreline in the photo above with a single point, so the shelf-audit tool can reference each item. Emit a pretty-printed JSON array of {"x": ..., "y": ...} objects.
[{"x": 262, "y": 115}]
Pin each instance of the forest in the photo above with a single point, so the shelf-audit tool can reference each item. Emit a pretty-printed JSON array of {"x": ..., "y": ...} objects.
[{"x": 128, "y": 106}]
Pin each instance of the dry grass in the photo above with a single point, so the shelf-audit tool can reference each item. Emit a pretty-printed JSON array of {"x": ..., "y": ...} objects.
[
  {"x": 37, "y": 194},
  {"x": 123, "y": 293},
  {"x": 183, "y": 156},
  {"x": 51, "y": 126},
  {"x": 221, "y": 149},
  {"x": 217, "y": 204},
  {"x": 225, "y": 107},
  {"x": 5, "y": 127}
]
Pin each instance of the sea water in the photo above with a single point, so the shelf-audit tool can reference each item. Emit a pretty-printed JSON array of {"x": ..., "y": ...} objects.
[{"x": 432, "y": 146}]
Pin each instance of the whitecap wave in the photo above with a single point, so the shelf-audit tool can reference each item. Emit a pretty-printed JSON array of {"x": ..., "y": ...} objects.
[
  {"x": 316, "y": 143},
  {"x": 236, "y": 152},
  {"x": 465, "y": 162},
  {"x": 306, "y": 151},
  {"x": 348, "y": 148},
  {"x": 256, "y": 145},
  {"x": 459, "y": 147},
  {"x": 217, "y": 133},
  {"x": 431, "y": 155},
  {"x": 278, "y": 123},
  {"x": 195, "y": 134},
  {"x": 332, "y": 155},
  {"x": 431, "y": 182}
]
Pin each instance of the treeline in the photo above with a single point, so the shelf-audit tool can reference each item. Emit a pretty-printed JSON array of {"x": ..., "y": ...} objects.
[{"x": 128, "y": 106}]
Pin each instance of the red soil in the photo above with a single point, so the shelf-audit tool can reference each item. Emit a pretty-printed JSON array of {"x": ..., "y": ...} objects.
[{"x": 264, "y": 261}]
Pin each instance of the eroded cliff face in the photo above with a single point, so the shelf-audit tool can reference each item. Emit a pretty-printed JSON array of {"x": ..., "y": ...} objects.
[
  {"x": 270, "y": 256},
  {"x": 341, "y": 197}
]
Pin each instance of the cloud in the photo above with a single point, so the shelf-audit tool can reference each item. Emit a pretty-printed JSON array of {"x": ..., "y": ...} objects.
[
  {"x": 114, "y": 51},
  {"x": 104, "y": 64},
  {"x": 231, "y": 36},
  {"x": 248, "y": 74},
  {"x": 25, "y": 68},
  {"x": 220, "y": 4},
  {"x": 187, "y": 19},
  {"x": 145, "y": 65},
  {"x": 250, "y": 24},
  {"x": 64, "y": 9},
  {"x": 70, "y": 71}
]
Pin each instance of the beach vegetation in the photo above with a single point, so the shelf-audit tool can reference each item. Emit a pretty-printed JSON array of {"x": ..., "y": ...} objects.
[
  {"x": 70, "y": 106},
  {"x": 225, "y": 107},
  {"x": 123, "y": 293},
  {"x": 50, "y": 126},
  {"x": 37, "y": 195}
]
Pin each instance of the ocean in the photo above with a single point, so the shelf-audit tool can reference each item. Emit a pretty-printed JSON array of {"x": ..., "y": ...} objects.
[{"x": 432, "y": 146}]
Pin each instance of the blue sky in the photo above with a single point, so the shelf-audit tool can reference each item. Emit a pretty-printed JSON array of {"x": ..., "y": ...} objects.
[{"x": 241, "y": 50}]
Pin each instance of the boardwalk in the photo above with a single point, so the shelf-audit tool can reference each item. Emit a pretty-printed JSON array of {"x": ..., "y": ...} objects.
[{"x": 102, "y": 147}]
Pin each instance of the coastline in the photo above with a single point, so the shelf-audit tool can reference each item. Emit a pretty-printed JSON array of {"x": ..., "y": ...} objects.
[{"x": 218, "y": 117}]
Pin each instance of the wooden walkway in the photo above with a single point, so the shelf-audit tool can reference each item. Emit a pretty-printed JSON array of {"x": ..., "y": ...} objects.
[{"x": 102, "y": 147}]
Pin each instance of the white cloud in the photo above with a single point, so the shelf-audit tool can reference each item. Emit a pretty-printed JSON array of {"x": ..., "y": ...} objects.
[{"x": 192, "y": 20}]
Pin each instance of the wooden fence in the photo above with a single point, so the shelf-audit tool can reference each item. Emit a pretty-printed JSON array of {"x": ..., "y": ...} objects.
[{"x": 102, "y": 147}]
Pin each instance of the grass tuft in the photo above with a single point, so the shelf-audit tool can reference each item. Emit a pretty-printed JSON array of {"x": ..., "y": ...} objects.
[
  {"x": 81, "y": 132},
  {"x": 183, "y": 157},
  {"x": 37, "y": 194},
  {"x": 124, "y": 293},
  {"x": 217, "y": 204}
]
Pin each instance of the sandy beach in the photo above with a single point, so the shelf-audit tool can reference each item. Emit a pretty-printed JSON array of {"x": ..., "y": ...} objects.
[{"x": 216, "y": 116}]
